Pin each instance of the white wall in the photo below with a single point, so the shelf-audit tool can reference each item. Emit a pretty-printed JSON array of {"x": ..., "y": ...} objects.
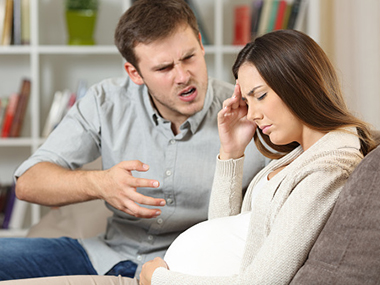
[{"x": 356, "y": 34}]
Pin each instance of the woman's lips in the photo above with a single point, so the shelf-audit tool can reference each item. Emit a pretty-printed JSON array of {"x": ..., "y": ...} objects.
[{"x": 265, "y": 128}]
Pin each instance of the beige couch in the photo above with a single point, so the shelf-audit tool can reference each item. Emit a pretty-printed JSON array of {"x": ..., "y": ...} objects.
[{"x": 81, "y": 220}]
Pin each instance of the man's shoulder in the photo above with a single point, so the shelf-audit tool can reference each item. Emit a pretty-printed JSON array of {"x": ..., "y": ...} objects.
[
  {"x": 115, "y": 89},
  {"x": 110, "y": 85}
]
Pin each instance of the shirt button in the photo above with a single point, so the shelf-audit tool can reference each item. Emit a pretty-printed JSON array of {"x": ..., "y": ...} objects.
[
  {"x": 172, "y": 141},
  {"x": 150, "y": 237},
  {"x": 160, "y": 221},
  {"x": 169, "y": 201},
  {"x": 168, "y": 172},
  {"x": 139, "y": 257}
]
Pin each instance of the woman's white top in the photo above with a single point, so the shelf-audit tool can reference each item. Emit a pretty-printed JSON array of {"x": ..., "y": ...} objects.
[{"x": 214, "y": 247}]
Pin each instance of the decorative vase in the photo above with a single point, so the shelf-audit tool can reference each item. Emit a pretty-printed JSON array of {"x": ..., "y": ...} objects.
[{"x": 81, "y": 26}]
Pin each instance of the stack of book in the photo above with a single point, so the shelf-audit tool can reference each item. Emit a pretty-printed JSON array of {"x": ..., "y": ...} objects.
[
  {"x": 264, "y": 16},
  {"x": 12, "y": 210},
  {"x": 62, "y": 102},
  {"x": 13, "y": 109},
  {"x": 14, "y": 22}
]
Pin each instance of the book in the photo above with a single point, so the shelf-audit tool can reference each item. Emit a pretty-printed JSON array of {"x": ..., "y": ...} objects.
[
  {"x": 10, "y": 200},
  {"x": 81, "y": 89},
  {"x": 272, "y": 15},
  {"x": 264, "y": 18},
  {"x": 22, "y": 105},
  {"x": 242, "y": 24},
  {"x": 294, "y": 14},
  {"x": 288, "y": 9},
  {"x": 53, "y": 114},
  {"x": 257, "y": 6},
  {"x": 6, "y": 38},
  {"x": 3, "y": 201},
  {"x": 301, "y": 15},
  {"x": 9, "y": 115},
  {"x": 3, "y": 107},
  {"x": 2, "y": 15},
  {"x": 57, "y": 111},
  {"x": 201, "y": 25},
  {"x": 280, "y": 15},
  {"x": 17, "y": 216},
  {"x": 16, "y": 22},
  {"x": 25, "y": 22}
]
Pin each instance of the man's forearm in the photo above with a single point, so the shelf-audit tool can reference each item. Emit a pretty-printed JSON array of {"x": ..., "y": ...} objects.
[{"x": 51, "y": 185}]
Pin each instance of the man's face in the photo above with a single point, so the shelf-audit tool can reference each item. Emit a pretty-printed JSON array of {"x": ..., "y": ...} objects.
[{"x": 174, "y": 70}]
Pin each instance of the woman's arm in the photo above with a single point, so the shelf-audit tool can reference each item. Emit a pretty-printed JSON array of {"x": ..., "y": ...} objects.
[
  {"x": 235, "y": 133},
  {"x": 226, "y": 194}
]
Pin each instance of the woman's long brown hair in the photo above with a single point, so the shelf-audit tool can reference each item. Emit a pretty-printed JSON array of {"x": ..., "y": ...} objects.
[{"x": 300, "y": 73}]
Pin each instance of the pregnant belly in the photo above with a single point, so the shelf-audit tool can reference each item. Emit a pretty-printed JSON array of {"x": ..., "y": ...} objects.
[{"x": 211, "y": 248}]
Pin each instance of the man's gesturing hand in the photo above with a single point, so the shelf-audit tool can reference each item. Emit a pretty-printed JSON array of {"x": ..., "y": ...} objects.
[{"x": 118, "y": 188}]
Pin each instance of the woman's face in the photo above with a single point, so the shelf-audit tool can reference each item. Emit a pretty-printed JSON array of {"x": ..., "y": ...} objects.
[{"x": 267, "y": 109}]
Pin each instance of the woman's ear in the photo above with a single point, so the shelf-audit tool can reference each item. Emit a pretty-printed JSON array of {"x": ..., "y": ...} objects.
[{"x": 133, "y": 73}]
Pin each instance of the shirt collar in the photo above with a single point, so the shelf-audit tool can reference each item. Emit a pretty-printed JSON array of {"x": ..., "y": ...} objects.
[{"x": 193, "y": 122}]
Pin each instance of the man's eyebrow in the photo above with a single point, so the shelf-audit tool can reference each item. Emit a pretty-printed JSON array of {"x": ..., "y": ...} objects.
[
  {"x": 253, "y": 90},
  {"x": 168, "y": 64},
  {"x": 163, "y": 65}
]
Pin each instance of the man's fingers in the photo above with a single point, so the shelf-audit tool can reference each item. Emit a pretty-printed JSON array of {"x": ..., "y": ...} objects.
[
  {"x": 142, "y": 183},
  {"x": 146, "y": 200},
  {"x": 141, "y": 212},
  {"x": 134, "y": 165}
]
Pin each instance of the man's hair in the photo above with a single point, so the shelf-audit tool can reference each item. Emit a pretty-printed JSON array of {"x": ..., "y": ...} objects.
[
  {"x": 150, "y": 20},
  {"x": 298, "y": 70}
]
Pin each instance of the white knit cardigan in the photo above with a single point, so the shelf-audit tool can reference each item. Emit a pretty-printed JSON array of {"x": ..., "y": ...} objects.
[{"x": 289, "y": 213}]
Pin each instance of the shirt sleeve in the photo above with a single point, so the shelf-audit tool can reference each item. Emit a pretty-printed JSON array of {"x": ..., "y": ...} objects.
[{"x": 76, "y": 139}]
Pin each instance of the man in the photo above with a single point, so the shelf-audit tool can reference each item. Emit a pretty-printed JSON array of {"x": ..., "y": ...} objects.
[{"x": 157, "y": 134}]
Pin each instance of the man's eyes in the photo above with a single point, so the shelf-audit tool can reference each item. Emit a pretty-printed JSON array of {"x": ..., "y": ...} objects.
[
  {"x": 188, "y": 57},
  {"x": 168, "y": 67}
]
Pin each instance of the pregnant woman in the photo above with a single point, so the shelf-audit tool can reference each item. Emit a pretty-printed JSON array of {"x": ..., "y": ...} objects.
[{"x": 288, "y": 99}]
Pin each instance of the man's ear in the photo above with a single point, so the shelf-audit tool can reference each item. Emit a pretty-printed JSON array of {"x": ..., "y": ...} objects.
[
  {"x": 200, "y": 42},
  {"x": 133, "y": 73}
]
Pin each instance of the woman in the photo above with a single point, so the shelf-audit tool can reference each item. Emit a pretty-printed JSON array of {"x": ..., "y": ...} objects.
[{"x": 288, "y": 99}]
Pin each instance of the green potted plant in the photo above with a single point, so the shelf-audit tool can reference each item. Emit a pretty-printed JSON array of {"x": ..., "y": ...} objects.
[{"x": 80, "y": 20}]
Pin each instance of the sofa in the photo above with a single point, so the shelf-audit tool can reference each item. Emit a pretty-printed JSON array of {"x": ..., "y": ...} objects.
[{"x": 347, "y": 250}]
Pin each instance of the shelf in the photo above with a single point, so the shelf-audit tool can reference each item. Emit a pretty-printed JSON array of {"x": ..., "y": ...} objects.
[
  {"x": 5, "y": 142},
  {"x": 13, "y": 233},
  {"x": 20, "y": 142},
  {"x": 104, "y": 49},
  {"x": 53, "y": 65},
  {"x": 15, "y": 50},
  {"x": 96, "y": 49}
]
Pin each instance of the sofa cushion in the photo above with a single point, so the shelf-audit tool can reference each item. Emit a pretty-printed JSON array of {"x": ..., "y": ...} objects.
[
  {"x": 348, "y": 249},
  {"x": 82, "y": 220}
]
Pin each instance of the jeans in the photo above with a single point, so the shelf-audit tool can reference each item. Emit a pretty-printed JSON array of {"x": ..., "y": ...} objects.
[{"x": 41, "y": 257}]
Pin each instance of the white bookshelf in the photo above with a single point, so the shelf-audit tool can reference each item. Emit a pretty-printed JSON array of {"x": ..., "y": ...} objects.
[{"x": 52, "y": 65}]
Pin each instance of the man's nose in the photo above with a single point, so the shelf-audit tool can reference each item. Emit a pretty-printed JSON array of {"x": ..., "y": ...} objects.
[{"x": 182, "y": 74}]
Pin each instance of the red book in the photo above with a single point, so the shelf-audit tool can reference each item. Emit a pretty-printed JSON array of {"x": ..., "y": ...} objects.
[
  {"x": 22, "y": 105},
  {"x": 280, "y": 15},
  {"x": 242, "y": 25},
  {"x": 9, "y": 115}
]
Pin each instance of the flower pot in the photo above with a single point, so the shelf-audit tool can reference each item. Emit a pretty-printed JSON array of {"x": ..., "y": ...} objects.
[{"x": 81, "y": 26}]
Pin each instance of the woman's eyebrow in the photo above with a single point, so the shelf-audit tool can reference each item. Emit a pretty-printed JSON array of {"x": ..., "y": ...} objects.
[{"x": 253, "y": 90}]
